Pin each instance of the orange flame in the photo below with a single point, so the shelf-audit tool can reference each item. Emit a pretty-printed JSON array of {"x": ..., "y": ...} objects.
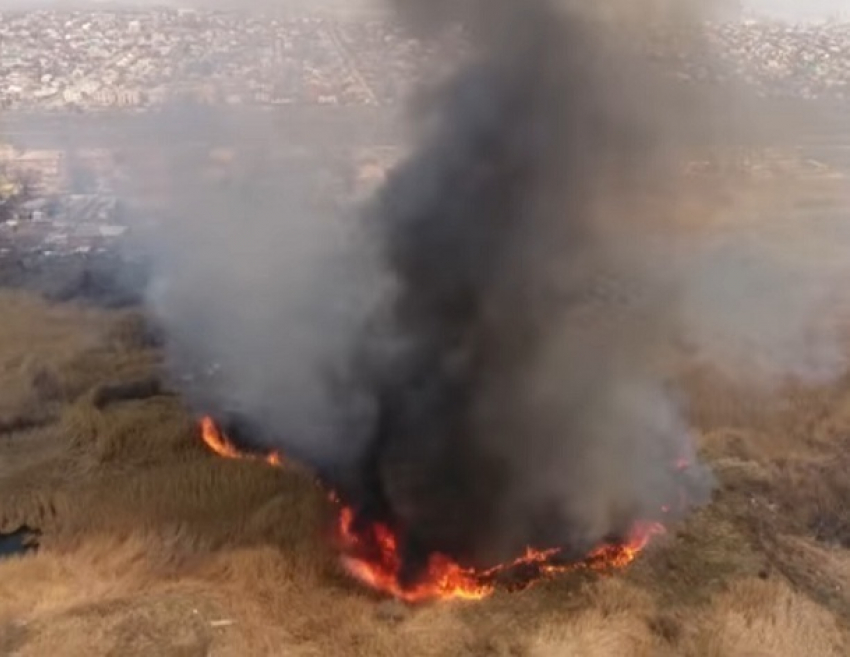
[
  {"x": 219, "y": 443},
  {"x": 444, "y": 579},
  {"x": 372, "y": 555}
]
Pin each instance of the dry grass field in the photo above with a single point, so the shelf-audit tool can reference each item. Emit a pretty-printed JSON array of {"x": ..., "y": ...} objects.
[{"x": 152, "y": 546}]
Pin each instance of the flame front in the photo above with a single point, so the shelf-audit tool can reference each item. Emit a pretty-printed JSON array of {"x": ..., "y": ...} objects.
[
  {"x": 219, "y": 443},
  {"x": 372, "y": 556}
]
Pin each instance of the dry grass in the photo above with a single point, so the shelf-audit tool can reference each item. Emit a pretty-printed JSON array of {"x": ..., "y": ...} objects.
[
  {"x": 275, "y": 601},
  {"x": 26, "y": 374},
  {"x": 617, "y": 621},
  {"x": 150, "y": 542},
  {"x": 766, "y": 619},
  {"x": 52, "y": 354},
  {"x": 134, "y": 597}
]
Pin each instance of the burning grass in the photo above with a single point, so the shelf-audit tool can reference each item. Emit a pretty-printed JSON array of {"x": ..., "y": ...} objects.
[
  {"x": 153, "y": 545},
  {"x": 371, "y": 554}
]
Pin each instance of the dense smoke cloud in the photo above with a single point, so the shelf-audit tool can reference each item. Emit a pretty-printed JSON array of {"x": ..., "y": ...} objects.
[
  {"x": 479, "y": 358},
  {"x": 262, "y": 288},
  {"x": 523, "y": 404}
]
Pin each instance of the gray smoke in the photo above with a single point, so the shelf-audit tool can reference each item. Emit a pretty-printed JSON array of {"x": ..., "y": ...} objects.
[
  {"x": 480, "y": 357},
  {"x": 522, "y": 403},
  {"x": 262, "y": 288}
]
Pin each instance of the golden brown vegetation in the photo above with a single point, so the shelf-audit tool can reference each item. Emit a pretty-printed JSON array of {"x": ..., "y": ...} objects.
[{"x": 151, "y": 545}]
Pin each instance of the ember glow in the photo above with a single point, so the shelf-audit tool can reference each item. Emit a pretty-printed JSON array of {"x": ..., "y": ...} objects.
[{"x": 370, "y": 553}]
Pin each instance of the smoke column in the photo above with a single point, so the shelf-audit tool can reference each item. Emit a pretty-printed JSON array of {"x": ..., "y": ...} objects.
[
  {"x": 522, "y": 402},
  {"x": 479, "y": 359}
]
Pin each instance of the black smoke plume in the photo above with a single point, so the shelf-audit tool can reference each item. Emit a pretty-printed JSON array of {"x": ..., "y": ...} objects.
[
  {"x": 521, "y": 403},
  {"x": 480, "y": 359}
]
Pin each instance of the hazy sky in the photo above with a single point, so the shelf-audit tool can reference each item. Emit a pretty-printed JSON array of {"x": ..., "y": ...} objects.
[
  {"x": 794, "y": 9},
  {"x": 800, "y": 8}
]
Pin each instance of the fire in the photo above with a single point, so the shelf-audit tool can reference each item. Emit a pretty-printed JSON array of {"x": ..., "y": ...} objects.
[
  {"x": 219, "y": 443},
  {"x": 372, "y": 556},
  {"x": 380, "y": 565}
]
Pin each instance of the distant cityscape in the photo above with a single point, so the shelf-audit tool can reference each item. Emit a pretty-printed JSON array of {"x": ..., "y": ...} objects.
[
  {"x": 67, "y": 63},
  {"x": 52, "y": 60},
  {"x": 88, "y": 60}
]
